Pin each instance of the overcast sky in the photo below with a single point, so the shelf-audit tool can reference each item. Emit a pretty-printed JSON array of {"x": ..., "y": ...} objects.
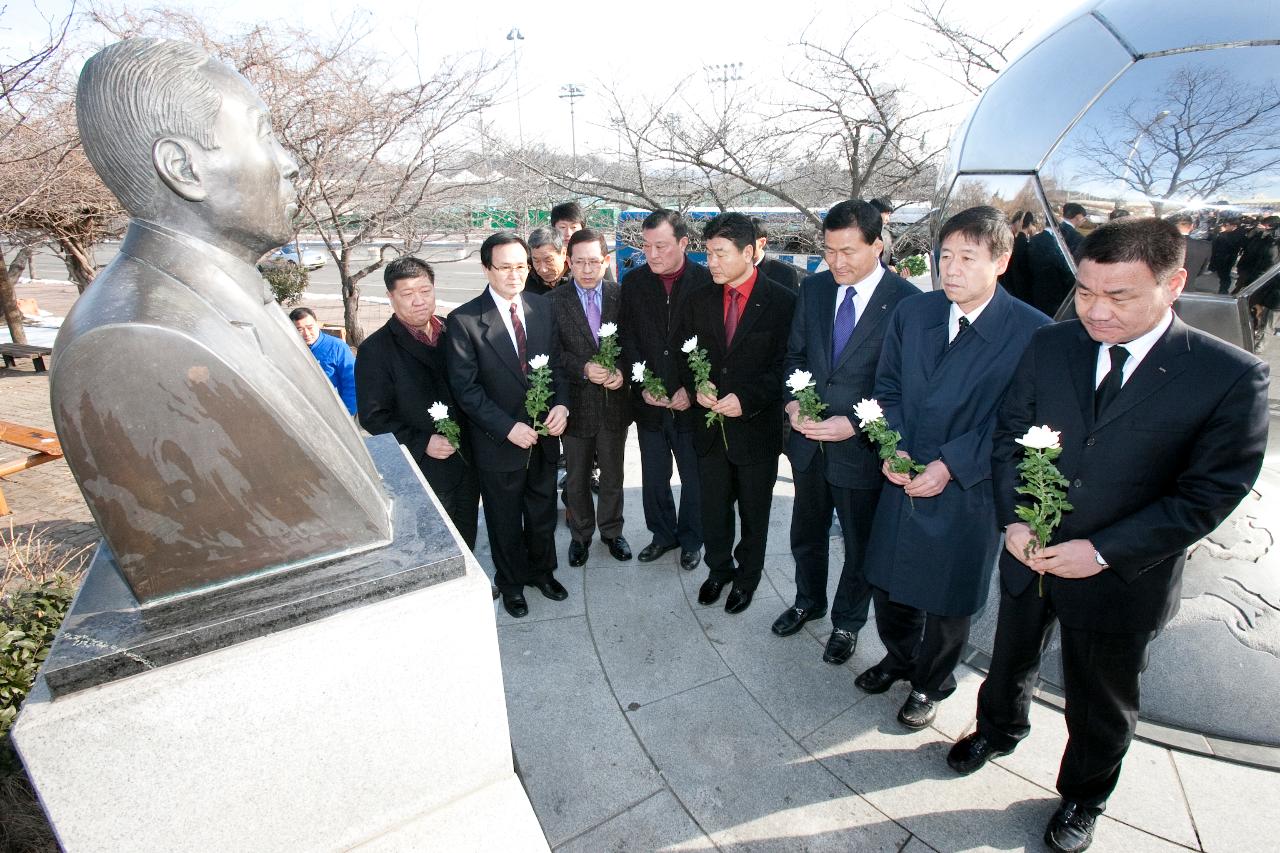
[{"x": 646, "y": 47}]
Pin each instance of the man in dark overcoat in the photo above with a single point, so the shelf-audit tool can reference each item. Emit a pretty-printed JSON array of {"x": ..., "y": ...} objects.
[
  {"x": 836, "y": 334},
  {"x": 401, "y": 374},
  {"x": 947, "y": 358},
  {"x": 601, "y": 406},
  {"x": 1163, "y": 431}
]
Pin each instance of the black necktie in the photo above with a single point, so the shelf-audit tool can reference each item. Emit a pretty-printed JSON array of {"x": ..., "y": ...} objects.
[
  {"x": 964, "y": 324},
  {"x": 1110, "y": 386}
]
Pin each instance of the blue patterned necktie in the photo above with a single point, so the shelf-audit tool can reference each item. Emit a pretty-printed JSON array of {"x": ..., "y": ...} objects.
[
  {"x": 845, "y": 319},
  {"x": 593, "y": 313}
]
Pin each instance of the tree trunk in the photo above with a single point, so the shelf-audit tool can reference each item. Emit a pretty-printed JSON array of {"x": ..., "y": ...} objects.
[
  {"x": 79, "y": 260},
  {"x": 350, "y": 299},
  {"x": 9, "y": 303},
  {"x": 21, "y": 261}
]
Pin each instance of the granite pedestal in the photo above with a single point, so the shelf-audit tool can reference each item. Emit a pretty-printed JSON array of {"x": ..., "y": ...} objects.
[{"x": 362, "y": 707}]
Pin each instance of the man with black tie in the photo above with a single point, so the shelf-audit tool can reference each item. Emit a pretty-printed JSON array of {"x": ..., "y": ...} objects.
[
  {"x": 491, "y": 341},
  {"x": 601, "y": 409},
  {"x": 742, "y": 323},
  {"x": 782, "y": 272},
  {"x": 948, "y": 357},
  {"x": 653, "y": 300},
  {"x": 1163, "y": 430},
  {"x": 836, "y": 336}
]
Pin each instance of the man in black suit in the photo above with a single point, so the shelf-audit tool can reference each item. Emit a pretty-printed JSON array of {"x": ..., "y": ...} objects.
[
  {"x": 742, "y": 323},
  {"x": 780, "y": 271},
  {"x": 491, "y": 341},
  {"x": 836, "y": 335},
  {"x": 1197, "y": 251},
  {"x": 549, "y": 261},
  {"x": 886, "y": 213},
  {"x": 1051, "y": 277},
  {"x": 1226, "y": 250},
  {"x": 653, "y": 300},
  {"x": 1074, "y": 217},
  {"x": 400, "y": 374},
  {"x": 1163, "y": 431},
  {"x": 601, "y": 409}
]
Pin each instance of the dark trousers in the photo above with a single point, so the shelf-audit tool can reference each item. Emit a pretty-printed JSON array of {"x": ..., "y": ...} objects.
[
  {"x": 921, "y": 647},
  {"x": 1100, "y": 674},
  {"x": 462, "y": 503},
  {"x": 1224, "y": 280},
  {"x": 750, "y": 488},
  {"x": 520, "y": 514},
  {"x": 815, "y": 501},
  {"x": 581, "y": 454},
  {"x": 657, "y": 449}
]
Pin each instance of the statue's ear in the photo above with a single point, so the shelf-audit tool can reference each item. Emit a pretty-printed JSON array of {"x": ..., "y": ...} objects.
[{"x": 177, "y": 168}]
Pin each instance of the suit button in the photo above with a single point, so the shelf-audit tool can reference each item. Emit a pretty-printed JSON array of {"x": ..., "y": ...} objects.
[
  {"x": 666, "y": 352},
  {"x": 1090, "y": 442},
  {"x": 723, "y": 371},
  {"x": 1077, "y": 483}
]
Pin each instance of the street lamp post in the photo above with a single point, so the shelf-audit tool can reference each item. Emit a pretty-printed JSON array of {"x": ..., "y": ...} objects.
[
  {"x": 516, "y": 36},
  {"x": 724, "y": 74},
  {"x": 572, "y": 93}
]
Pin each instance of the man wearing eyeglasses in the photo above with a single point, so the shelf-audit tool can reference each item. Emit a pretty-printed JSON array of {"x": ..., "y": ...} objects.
[
  {"x": 601, "y": 408},
  {"x": 837, "y": 333},
  {"x": 491, "y": 341}
]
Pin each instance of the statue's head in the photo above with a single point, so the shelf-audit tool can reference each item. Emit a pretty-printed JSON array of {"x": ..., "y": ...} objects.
[{"x": 184, "y": 141}]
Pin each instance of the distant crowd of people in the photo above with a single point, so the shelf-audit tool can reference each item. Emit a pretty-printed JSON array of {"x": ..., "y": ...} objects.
[
  {"x": 1229, "y": 250},
  {"x": 1157, "y": 432}
]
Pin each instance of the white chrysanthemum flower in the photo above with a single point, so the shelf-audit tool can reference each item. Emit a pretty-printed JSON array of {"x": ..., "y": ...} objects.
[
  {"x": 637, "y": 372},
  {"x": 539, "y": 361},
  {"x": 690, "y": 345},
  {"x": 608, "y": 329},
  {"x": 1041, "y": 438},
  {"x": 867, "y": 411},
  {"x": 438, "y": 411},
  {"x": 799, "y": 380}
]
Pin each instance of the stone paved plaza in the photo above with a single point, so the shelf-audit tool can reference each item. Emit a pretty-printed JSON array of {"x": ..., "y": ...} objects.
[{"x": 643, "y": 721}]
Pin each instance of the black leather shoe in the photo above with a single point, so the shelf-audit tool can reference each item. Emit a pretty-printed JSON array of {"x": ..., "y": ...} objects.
[
  {"x": 918, "y": 711},
  {"x": 840, "y": 646},
  {"x": 552, "y": 589},
  {"x": 1071, "y": 828},
  {"x": 793, "y": 619},
  {"x": 515, "y": 604},
  {"x": 653, "y": 551},
  {"x": 618, "y": 548},
  {"x": 875, "y": 680},
  {"x": 578, "y": 553},
  {"x": 709, "y": 592},
  {"x": 689, "y": 559},
  {"x": 970, "y": 753},
  {"x": 738, "y": 600}
]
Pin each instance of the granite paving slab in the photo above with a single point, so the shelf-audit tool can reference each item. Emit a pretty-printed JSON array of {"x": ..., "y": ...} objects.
[
  {"x": 577, "y": 756},
  {"x": 748, "y": 784},
  {"x": 657, "y": 823},
  {"x": 649, "y": 641},
  {"x": 1236, "y": 808}
]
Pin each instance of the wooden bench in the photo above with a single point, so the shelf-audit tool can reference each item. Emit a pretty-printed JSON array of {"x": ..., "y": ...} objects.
[
  {"x": 13, "y": 352},
  {"x": 44, "y": 444}
]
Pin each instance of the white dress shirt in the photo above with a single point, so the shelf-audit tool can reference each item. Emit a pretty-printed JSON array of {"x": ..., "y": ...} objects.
[
  {"x": 1137, "y": 348},
  {"x": 953, "y": 318},
  {"x": 504, "y": 310},
  {"x": 862, "y": 291}
]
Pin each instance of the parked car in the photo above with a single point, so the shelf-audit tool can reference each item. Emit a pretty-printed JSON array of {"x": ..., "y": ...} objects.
[{"x": 312, "y": 258}]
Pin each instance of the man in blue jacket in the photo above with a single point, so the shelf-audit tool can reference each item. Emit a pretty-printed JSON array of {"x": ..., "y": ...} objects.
[
  {"x": 947, "y": 359},
  {"x": 333, "y": 354}
]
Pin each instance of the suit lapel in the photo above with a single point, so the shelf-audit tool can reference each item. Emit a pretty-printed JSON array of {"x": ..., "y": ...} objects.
[
  {"x": 1084, "y": 365},
  {"x": 935, "y": 339},
  {"x": 1165, "y": 361},
  {"x": 715, "y": 310},
  {"x": 494, "y": 332},
  {"x": 578, "y": 315},
  {"x": 407, "y": 342},
  {"x": 754, "y": 310},
  {"x": 823, "y": 295},
  {"x": 877, "y": 309}
]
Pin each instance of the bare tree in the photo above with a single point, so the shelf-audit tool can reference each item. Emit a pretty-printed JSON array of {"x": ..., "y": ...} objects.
[
  {"x": 972, "y": 59},
  {"x": 1203, "y": 133}
]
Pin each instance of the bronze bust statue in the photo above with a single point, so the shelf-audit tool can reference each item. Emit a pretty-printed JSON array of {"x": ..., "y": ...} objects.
[{"x": 206, "y": 440}]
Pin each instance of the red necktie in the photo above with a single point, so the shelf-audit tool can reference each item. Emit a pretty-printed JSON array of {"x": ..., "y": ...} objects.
[
  {"x": 521, "y": 352},
  {"x": 731, "y": 319}
]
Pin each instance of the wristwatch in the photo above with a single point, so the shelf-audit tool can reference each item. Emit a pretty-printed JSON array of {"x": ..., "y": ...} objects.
[{"x": 1101, "y": 562}]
